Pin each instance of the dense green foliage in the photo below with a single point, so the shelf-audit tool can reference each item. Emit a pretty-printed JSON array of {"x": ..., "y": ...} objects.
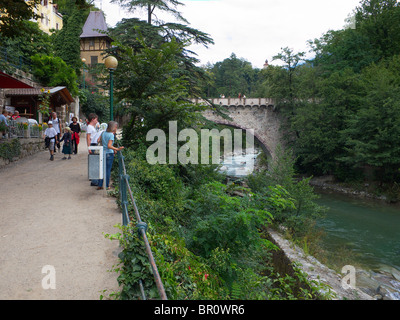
[
  {"x": 94, "y": 102},
  {"x": 10, "y": 150},
  {"x": 208, "y": 243},
  {"x": 232, "y": 77},
  {"x": 152, "y": 90},
  {"x": 66, "y": 40},
  {"x": 53, "y": 71},
  {"x": 13, "y": 14}
]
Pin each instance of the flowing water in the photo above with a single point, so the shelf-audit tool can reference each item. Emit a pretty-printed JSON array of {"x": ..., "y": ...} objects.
[
  {"x": 240, "y": 165},
  {"x": 370, "y": 229}
]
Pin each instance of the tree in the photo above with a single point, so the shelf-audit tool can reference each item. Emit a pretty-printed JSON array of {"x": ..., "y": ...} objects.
[
  {"x": 66, "y": 40},
  {"x": 30, "y": 43},
  {"x": 53, "y": 71},
  {"x": 337, "y": 50},
  {"x": 370, "y": 137},
  {"x": 13, "y": 13},
  {"x": 93, "y": 102},
  {"x": 134, "y": 33},
  {"x": 291, "y": 61},
  {"x": 150, "y": 6},
  {"x": 148, "y": 83},
  {"x": 378, "y": 19},
  {"x": 233, "y": 76}
]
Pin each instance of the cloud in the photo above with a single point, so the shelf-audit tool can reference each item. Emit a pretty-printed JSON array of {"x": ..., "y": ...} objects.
[{"x": 255, "y": 30}]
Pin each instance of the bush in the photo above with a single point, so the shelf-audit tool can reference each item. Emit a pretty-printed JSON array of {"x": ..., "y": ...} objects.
[
  {"x": 10, "y": 150},
  {"x": 207, "y": 243}
]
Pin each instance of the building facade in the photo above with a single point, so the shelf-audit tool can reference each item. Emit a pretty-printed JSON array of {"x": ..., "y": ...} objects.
[
  {"x": 93, "y": 43},
  {"x": 49, "y": 17},
  {"x": 94, "y": 40}
]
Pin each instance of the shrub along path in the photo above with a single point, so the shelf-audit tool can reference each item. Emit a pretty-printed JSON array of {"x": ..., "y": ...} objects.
[{"x": 51, "y": 216}]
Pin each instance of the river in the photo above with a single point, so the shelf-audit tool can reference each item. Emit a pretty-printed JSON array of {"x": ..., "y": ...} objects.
[
  {"x": 370, "y": 232},
  {"x": 368, "y": 228}
]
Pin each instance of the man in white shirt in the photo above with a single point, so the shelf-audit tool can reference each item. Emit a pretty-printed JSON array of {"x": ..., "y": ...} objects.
[
  {"x": 92, "y": 136},
  {"x": 91, "y": 132}
]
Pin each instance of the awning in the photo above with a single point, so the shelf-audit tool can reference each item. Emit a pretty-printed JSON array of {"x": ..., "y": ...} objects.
[
  {"x": 61, "y": 91},
  {"x": 7, "y": 81}
]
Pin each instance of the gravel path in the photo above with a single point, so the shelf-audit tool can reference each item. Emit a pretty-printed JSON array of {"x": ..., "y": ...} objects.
[{"x": 51, "y": 216}]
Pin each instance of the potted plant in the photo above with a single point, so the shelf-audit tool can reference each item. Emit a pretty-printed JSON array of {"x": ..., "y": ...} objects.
[{"x": 26, "y": 130}]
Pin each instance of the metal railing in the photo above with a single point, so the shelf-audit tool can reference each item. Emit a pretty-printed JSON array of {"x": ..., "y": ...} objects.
[
  {"x": 125, "y": 190},
  {"x": 20, "y": 130},
  {"x": 14, "y": 59}
]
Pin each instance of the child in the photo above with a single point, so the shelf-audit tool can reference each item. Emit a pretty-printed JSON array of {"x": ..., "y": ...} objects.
[
  {"x": 67, "y": 147},
  {"x": 51, "y": 135}
]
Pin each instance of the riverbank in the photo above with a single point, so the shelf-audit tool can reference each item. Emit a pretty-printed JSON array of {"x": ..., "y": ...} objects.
[
  {"x": 328, "y": 183},
  {"x": 329, "y": 282}
]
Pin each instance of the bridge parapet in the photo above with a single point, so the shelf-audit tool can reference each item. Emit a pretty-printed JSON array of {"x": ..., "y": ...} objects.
[
  {"x": 235, "y": 102},
  {"x": 257, "y": 114}
]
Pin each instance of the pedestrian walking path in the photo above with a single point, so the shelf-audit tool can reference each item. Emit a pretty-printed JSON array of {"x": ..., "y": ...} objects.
[{"x": 51, "y": 216}]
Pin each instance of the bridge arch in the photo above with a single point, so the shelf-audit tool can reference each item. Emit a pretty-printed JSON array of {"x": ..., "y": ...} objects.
[
  {"x": 265, "y": 148},
  {"x": 257, "y": 114}
]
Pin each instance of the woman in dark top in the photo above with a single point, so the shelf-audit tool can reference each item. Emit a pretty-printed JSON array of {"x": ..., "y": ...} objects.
[{"x": 76, "y": 129}]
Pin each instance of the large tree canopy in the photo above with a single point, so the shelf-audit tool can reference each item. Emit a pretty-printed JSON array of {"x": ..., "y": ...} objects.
[
  {"x": 13, "y": 13},
  {"x": 168, "y": 6}
]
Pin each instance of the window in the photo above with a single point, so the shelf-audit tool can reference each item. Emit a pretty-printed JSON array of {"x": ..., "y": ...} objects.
[{"x": 94, "y": 60}]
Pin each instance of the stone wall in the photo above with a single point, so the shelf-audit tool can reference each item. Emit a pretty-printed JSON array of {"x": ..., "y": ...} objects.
[{"x": 28, "y": 147}]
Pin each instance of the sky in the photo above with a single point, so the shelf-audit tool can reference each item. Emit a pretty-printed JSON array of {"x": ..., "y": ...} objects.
[{"x": 255, "y": 30}]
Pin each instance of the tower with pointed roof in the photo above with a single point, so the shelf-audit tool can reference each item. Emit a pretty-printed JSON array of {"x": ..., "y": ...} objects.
[{"x": 94, "y": 39}]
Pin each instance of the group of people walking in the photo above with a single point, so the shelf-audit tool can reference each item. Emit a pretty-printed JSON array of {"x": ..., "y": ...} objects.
[
  {"x": 94, "y": 137},
  {"x": 70, "y": 137}
]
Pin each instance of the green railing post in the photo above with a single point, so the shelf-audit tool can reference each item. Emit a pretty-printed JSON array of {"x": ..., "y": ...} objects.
[
  {"x": 123, "y": 181},
  {"x": 124, "y": 200},
  {"x": 111, "y": 94}
]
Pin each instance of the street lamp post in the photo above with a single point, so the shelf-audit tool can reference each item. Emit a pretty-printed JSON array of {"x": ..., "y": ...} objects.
[
  {"x": 84, "y": 69},
  {"x": 111, "y": 64}
]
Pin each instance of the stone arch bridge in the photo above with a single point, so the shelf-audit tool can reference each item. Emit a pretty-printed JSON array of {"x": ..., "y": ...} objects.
[{"x": 250, "y": 113}]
